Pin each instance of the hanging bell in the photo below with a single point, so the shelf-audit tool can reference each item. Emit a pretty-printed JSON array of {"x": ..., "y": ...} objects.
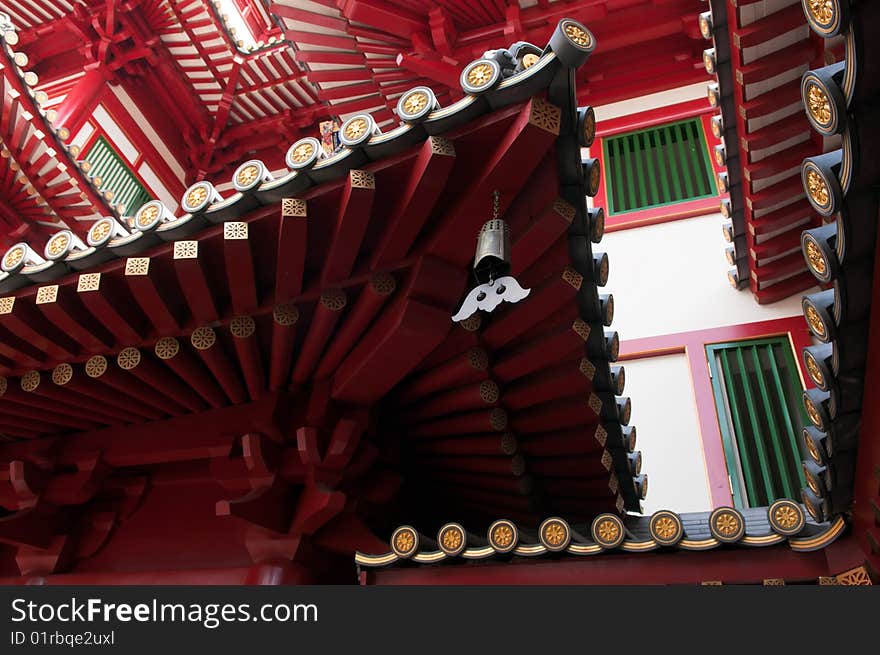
[
  {"x": 492, "y": 259},
  {"x": 492, "y": 270}
]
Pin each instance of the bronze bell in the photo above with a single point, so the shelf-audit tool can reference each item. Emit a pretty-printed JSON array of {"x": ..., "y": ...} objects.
[{"x": 492, "y": 259}]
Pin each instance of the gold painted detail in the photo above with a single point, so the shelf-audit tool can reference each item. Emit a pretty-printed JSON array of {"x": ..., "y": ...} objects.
[
  {"x": 480, "y": 75},
  {"x": 58, "y": 244},
  {"x": 451, "y": 539},
  {"x": 502, "y": 535},
  {"x": 62, "y": 374},
  {"x": 13, "y": 257},
  {"x": 47, "y": 294},
  {"x": 167, "y": 348},
  {"x": 404, "y": 541},
  {"x": 774, "y": 582},
  {"x": 6, "y": 304},
  {"x": 818, "y": 104},
  {"x": 415, "y": 102},
  {"x": 815, "y": 321},
  {"x": 816, "y": 258},
  {"x": 812, "y": 448},
  {"x": 442, "y": 146},
  {"x": 530, "y": 60},
  {"x": 293, "y": 207},
  {"x": 4, "y": 385},
  {"x": 595, "y": 404},
  {"x": 472, "y": 323},
  {"x": 613, "y": 483},
  {"x": 303, "y": 152},
  {"x": 608, "y": 531},
  {"x": 555, "y": 534},
  {"x": 587, "y": 368},
  {"x": 812, "y": 412},
  {"x": 196, "y": 196},
  {"x": 590, "y": 127},
  {"x": 828, "y": 580},
  {"x": 812, "y": 482},
  {"x": 362, "y": 179},
  {"x": 564, "y": 209},
  {"x": 137, "y": 266},
  {"x": 817, "y": 188},
  {"x": 813, "y": 370},
  {"x": 578, "y": 35},
  {"x": 88, "y": 282},
  {"x": 498, "y": 419},
  {"x": 581, "y": 328},
  {"x": 203, "y": 338},
  {"x": 546, "y": 116},
  {"x": 822, "y": 11},
  {"x": 235, "y": 230},
  {"x": 478, "y": 359},
  {"x": 96, "y": 366},
  {"x": 30, "y": 381},
  {"x": 603, "y": 271},
  {"x": 601, "y": 435},
  {"x": 246, "y": 176},
  {"x": 100, "y": 230},
  {"x": 186, "y": 250},
  {"x": 665, "y": 527},
  {"x": 607, "y": 460},
  {"x": 242, "y": 327},
  {"x": 333, "y": 299},
  {"x": 727, "y": 524},
  {"x": 128, "y": 358},
  {"x": 286, "y": 314},
  {"x": 855, "y": 577},
  {"x": 356, "y": 129},
  {"x": 574, "y": 278},
  {"x": 489, "y": 391},
  {"x": 786, "y": 517}
]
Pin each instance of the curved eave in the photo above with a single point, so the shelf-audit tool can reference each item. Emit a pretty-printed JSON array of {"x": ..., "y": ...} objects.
[
  {"x": 759, "y": 56},
  {"x": 757, "y": 535},
  {"x": 131, "y": 322},
  {"x": 841, "y": 185},
  {"x": 35, "y": 146}
]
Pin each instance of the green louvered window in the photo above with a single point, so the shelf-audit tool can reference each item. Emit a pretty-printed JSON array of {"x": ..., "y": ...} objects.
[
  {"x": 115, "y": 176},
  {"x": 758, "y": 398},
  {"x": 658, "y": 166}
]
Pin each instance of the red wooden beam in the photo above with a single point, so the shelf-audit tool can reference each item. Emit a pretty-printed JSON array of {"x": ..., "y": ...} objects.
[
  {"x": 107, "y": 304},
  {"x": 140, "y": 365},
  {"x": 415, "y": 200},
  {"x": 407, "y": 331},
  {"x": 193, "y": 279},
  {"x": 284, "y": 320},
  {"x": 64, "y": 310},
  {"x": 98, "y": 368},
  {"x": 508, "y": 166},
  {"x": 291, "y": 252},
  {"x": 144, "y": 276},
  {"x": 247, "y": 347},
  {"x": 207, "y": 347},
  {"x": 351, "y": 224},
  {"x": 187, "y": 367},
  {"x": 328, "y": 311},
  {"x": 369, "y": 303}
]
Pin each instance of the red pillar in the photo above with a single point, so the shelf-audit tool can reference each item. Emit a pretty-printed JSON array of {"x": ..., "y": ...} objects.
[{"x": 82, "y": 100}]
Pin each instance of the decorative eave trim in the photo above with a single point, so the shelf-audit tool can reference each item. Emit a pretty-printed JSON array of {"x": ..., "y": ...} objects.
[{"x": 810, "y": 537}]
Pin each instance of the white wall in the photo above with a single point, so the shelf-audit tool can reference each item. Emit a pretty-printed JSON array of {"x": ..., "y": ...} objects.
[
  {"x": 672, "y": 277},
  {"x": 652, "y": 101},
  {"x": 668, "y": 434}
]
